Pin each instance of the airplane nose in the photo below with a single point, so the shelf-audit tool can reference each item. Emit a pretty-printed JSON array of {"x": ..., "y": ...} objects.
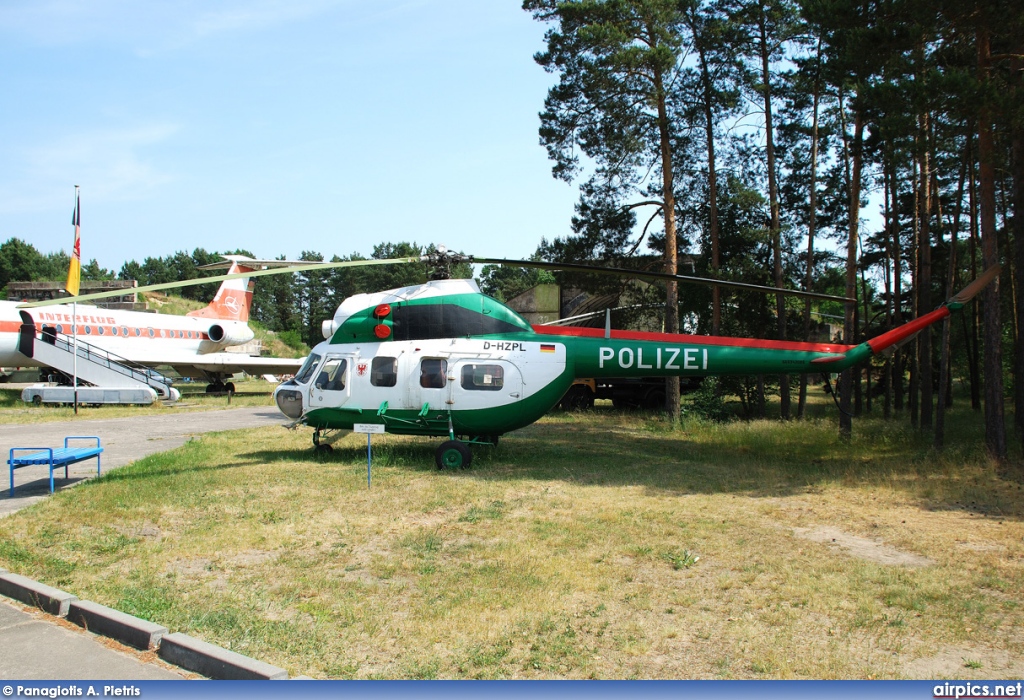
[{"x": 289, "y": 401}]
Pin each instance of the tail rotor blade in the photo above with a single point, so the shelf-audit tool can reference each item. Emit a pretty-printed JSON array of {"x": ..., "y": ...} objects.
[{"x": 971, "y": 290}]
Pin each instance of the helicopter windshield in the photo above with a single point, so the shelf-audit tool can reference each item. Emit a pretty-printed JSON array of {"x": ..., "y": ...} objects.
[{"x": 306, "y": 371}]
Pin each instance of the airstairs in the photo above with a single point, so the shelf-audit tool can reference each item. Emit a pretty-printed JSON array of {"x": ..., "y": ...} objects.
[{"x": 95, "y": 365}]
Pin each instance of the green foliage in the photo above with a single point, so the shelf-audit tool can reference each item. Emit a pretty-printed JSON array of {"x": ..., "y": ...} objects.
[
  {"x": 708, "y": 402},
  {"x": 292, "y": 339},
  {"x": 503, "y": 282}
]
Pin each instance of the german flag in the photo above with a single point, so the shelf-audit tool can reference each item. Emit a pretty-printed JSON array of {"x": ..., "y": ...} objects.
[
  {"x": 544, "y": 347},
  {"x": 75, "y": 268}
]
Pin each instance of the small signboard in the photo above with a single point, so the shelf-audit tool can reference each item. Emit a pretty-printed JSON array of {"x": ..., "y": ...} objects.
[{"x": 368, "y": 428}]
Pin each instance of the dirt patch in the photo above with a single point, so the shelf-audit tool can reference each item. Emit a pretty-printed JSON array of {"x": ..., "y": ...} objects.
[
  {"x": 966, "y": 662},
  {"x": 861, "y": 547}
]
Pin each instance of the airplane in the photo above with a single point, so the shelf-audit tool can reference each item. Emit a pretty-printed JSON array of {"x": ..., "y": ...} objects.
[
  {"x": 194, "y": 345},
  {"x": 442, "y": 359}
]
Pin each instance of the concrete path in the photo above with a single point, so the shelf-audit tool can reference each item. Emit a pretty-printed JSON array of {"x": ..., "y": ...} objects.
[
  {"x": 35, "y": 645},
  {"x": 124, "y": 440}
]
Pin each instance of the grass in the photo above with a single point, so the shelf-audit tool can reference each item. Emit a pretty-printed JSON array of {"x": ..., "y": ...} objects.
[
  {"x": 250, "y": 392},
  {"x": 592, "y": 545}
]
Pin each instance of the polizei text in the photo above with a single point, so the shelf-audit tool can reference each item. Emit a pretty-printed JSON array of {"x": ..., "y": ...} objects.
[{"x": 654, "y": 358}]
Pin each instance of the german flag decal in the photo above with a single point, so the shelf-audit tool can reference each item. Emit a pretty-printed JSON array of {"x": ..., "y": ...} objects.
[{"x": 547, "y": 348}]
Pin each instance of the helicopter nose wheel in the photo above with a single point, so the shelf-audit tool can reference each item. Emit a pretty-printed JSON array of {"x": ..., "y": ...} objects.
[{"x": 453, "y": 454}]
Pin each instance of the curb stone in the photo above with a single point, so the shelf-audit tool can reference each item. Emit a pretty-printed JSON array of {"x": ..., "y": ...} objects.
[
  {"x": 51, "y": 600},
  {"x": 214, "y": 661},
  {"x": 178, "y": 649},
  {"x": 127, "y": 629}
]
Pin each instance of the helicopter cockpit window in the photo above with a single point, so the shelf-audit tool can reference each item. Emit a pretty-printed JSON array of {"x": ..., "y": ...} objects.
[
  {"x": 384, "y": 371},
  {"x": 483, "y": 377},
  {"x": 332, "y": 375},
  {"x": 433, "y": 374},
  {"x": 306, "y": 371}
]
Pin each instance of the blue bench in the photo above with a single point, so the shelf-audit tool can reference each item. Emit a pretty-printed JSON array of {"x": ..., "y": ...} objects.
[{"x": 55, "y": 457}]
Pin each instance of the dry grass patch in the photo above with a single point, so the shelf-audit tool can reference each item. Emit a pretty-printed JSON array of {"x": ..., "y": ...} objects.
[{"x": 589, "y": 545}]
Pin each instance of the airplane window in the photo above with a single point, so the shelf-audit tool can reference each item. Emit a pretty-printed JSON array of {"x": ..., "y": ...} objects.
[
  {"x": 101, "y": 330},
  {"x": 151, "y": 333},
  {"x": 306, "y": 371},
  {"x": 124, "y": 331},
  {"x": 88, "y": 330},
  {"x": 384, "y": 371},
  {"x": 483, "y": 377},
  {"x": 433, "y": 373},
  {"x": 332, "y": 375},
  {"x": 138, "y": 332}
]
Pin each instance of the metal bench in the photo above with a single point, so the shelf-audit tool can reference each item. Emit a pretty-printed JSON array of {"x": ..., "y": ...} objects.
[{"x": 55, "y": 457}]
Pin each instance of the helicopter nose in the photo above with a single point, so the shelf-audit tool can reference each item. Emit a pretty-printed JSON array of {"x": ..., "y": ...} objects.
[{"x": 289, "y": 401}]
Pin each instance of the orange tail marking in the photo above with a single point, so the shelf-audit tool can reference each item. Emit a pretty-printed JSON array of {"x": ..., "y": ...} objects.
[{"x": 233, "y": 299}]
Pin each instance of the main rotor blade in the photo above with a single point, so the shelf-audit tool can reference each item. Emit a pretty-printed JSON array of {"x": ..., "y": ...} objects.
[
  {"x": 622, "y": 272},
  {"x": 220, "y": 278}
]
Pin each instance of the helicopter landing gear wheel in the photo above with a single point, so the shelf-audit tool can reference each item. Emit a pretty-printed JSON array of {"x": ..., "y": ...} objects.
[
  {"x": 323, "y": 449},
  {"x": 37, "y": 400},
  {"x": 453, "y": 454}
]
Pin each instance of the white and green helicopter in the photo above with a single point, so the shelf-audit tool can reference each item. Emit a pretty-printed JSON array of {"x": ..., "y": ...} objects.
[{"x": 442, "y": 359}]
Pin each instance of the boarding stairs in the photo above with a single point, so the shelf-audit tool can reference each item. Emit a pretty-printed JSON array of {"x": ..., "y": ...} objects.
[{"x": 95, "y": 365}]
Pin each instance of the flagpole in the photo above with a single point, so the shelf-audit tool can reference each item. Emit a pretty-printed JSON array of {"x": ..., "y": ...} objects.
[{"x": 74, "y": 304}]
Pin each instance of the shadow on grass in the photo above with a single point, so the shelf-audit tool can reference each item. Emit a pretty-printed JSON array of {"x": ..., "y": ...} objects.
[{"x": 758, "y": 459}]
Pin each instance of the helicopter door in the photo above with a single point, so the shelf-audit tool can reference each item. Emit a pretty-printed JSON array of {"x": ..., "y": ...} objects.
[
  {"x": 430, "y": 384},
  {"x": 330, "y": 388},
  {"x": 486, "y": 384}
]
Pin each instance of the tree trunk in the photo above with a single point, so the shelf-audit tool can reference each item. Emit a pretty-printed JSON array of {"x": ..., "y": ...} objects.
[
  {"x": 1017, "y": 165},
  {"x": 812, "y": 226},
  {"x": 887, "y": 378},
  {"x": 973, "y": 331},
  {"x": 773, "y": 202},
  {"x": 846, "y": 379},
  {"x": 995, "y": 429},
  {"x": 945, "y": 388},
  {"x": 897, "y": 289},
  {"x": 924, "y": 275},
  {"x": 709, "y": 127},
  {"x": 671, "y": 259}
]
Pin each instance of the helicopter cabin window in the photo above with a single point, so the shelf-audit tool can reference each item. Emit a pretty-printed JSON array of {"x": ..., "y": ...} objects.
[
  {"x": 483, "y": 377},
  {"x": 384, "y": 371},
  {"x": 433, "y": 373},
  {"x": 332, "y": 375},
  {"x": 306, "y": 371}
]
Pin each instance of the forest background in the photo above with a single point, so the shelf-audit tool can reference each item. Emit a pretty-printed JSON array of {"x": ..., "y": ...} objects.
[{"x": 749, "y": 136}]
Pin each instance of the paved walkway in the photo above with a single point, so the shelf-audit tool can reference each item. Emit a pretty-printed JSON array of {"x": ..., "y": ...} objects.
[{"x": 35, "y": 646}]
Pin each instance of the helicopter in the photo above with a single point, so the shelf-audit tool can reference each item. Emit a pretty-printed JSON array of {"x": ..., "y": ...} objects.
[{"x": 442, "y": 359}]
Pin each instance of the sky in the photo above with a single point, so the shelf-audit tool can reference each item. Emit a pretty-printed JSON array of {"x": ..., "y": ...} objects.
[{"x": 277, "y": 126}]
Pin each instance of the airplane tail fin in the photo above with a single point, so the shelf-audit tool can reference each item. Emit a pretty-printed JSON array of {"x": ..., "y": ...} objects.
[{"x": 234, "y": 297}]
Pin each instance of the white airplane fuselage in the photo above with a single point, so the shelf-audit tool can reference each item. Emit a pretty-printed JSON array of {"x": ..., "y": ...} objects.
[
  {"x": 193, "y": 345},
  {"x": 141, "y": 337}
]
